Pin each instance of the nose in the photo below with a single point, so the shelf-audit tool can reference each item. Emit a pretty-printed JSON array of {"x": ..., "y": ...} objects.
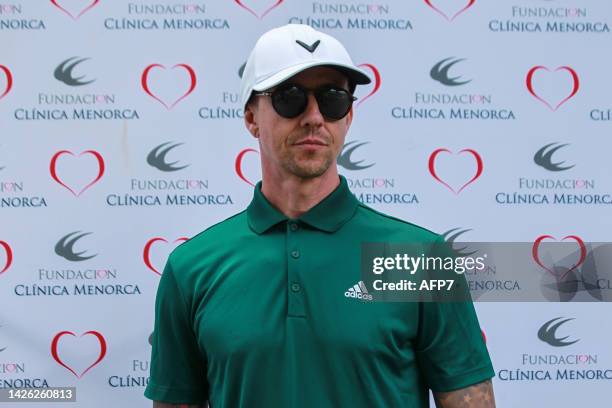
[{"x": 312, "y": 116}]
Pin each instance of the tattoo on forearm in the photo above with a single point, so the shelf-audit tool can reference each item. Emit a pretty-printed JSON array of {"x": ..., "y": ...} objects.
[{"x": 475, "y": 396}]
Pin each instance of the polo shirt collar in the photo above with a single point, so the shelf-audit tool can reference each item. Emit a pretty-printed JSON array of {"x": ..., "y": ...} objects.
[{"x": 328, "y": 215}]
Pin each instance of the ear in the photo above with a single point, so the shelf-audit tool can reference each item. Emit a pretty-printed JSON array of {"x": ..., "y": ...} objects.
[{"x": 250, "y": 120}]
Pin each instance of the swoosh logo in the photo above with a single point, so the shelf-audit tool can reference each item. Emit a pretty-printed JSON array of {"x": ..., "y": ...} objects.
[
  {"x": 344, "y": 159},
  {"x": 9, "y": 256},
  {"x": 65, "y": 247},
  {"x": 547, "y": 333},
  {"x": 238, "y": 165},
  {"x": 157, "y": 157},
  {"x": 543, "y": 157},
  {"x": 573, "y": 91},
  {"x": 439, "y": 72},
  {"x": 56, "y": 357},
  {"x": 83, "y": 11},
  {"x": 477, "y": 174},
  {"x": 55, "y": 176},
  {"x": 63, "y": 72},
  {"x": 451, "y": 235},
  {"x": 146, "y": 253},
  {"x": 9, "y": 81},
  {"x": 265, "y": 12},
  {"x": 144, "y": 82},
  {"x": 449, "y": 17},
  {"x": 535, "y": 253}
]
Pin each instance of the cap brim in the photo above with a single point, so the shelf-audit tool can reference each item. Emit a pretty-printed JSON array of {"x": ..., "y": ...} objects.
[{"x": 355, "y": 74}]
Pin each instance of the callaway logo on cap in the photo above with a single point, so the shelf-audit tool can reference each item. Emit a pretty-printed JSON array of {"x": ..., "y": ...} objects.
[{"x": 286, "y": 51}]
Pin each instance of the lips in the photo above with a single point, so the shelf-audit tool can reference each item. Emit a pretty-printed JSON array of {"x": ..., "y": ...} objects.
[
  {"x": 56, "y": 177},
  {"x": 88, "y": 6},
  {"x": 310, "y": 142},
  {"x": 574, "y": 86},
  {"x": 450, "y": 17},
  {"x": 9, "y": 81},
  {"x": 144, "y": 82},
  {"x": 146, "y": 253},
  {"x": 535, "y": 253},
  {"x": 471, "y": 152},
  {"x": 274, "y": 5},
  {"x": 57, "y": 358}
]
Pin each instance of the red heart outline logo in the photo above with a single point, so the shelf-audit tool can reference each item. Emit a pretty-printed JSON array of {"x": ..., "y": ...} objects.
[
  {"x": 60, "y": 362},
  {"x": 85, "y": 10},
  {"x": 377, "y": 81},
  {"x": 443, "y": 14},
  {"x": 238, "y": 165},
  {"x": 536, "y": 257},
  {"x": 266, "y": 11},
  {"x": 529, "y": 83},
  {"x": 145, "y": 85},
  {"x": 9, "y": 256},
  {"x": 9, "y": 80},
  {"x": 53, "y": 169},
  {"x": 432, "y": 170},
  {"x": 146, "y": 253}
]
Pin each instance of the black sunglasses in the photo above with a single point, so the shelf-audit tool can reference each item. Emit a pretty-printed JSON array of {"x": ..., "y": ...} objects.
[{"x": 291, "y": 100}]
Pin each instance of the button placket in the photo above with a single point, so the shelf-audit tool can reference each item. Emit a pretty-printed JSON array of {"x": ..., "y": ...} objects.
[{"x": 295, "y": 289}]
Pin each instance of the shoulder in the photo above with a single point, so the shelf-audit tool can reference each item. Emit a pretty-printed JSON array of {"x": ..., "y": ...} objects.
[
  {"x": 212, "y": 241},
  {"x": 393, "y": 227}
]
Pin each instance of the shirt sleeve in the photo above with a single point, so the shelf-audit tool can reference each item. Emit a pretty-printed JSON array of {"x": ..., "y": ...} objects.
[
  {"x": 178, "y": 373},
  {"x": 450, "y": 349}
]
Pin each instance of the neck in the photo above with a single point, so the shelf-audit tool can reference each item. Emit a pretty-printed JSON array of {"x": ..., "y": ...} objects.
[{"x": 293, "y": 196}]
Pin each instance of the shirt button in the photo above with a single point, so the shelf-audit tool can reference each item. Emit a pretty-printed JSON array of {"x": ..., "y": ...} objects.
[
  {"x": 293, "y": 227},
  {"x": 295, "y": 287},
  {"x": 295, "y": 254}
]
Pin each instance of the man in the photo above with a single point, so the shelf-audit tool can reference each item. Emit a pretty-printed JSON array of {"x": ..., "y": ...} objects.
[{"x": 256, "y": 311}]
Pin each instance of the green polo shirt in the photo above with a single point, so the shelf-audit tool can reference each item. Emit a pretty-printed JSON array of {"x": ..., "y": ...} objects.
[{"x": 255, "y": 312}]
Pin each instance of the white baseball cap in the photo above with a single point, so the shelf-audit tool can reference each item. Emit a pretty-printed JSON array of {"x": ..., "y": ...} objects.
[{"x": 286, "y": 51}]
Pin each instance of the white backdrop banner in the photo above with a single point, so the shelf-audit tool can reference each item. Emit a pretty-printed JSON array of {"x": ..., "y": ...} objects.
[{"x": 121, "y": 135}]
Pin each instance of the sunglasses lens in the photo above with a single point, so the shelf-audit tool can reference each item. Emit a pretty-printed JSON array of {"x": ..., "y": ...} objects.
[
  {"x": 334, "y": 103},
  {"x": 289, "y": 102}
]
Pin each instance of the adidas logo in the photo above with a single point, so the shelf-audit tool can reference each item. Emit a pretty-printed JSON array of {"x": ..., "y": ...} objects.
[{"x": 358, "y": 291}]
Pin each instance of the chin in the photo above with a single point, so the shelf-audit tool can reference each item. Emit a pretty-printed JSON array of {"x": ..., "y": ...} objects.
[{"x": 310, "y": 170}]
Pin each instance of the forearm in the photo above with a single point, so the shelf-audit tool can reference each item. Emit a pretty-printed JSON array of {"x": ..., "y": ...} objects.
[{"x": 475, "y": 396}]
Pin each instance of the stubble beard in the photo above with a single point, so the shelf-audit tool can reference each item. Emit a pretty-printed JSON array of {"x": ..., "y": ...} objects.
[
  {"x": 308, "y": 164},
  {"x": 308, "y": 167}
]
